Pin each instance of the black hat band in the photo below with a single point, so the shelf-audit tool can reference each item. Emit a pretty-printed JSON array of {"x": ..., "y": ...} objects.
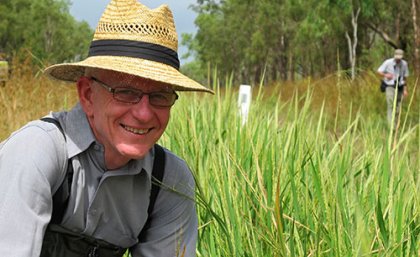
[{"x": 136, "y": 49}]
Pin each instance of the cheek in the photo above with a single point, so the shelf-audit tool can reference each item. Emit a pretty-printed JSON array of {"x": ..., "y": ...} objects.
[
  {"x": 102, "y": 113},
  {"x": 164, "y": 117},
  {"x": 102, "y": 103},
  {"x": 96, "y": 104}
]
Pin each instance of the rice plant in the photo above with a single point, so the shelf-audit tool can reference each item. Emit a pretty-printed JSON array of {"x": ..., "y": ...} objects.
[{"x": 296, "y": 181}]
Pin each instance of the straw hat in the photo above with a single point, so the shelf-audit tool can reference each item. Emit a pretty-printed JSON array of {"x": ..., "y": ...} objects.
[{"x": 133, "y": 39}]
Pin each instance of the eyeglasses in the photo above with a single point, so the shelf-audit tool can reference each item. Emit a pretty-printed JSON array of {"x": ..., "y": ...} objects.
[{"x": 133, "y": 96}]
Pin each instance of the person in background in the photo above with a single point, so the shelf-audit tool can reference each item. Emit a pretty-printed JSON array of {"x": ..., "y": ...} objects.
[
  {"x": 394, "y": 72},
  {"x": 4, "y": 69},
  {"x": 100, "y": 156}
]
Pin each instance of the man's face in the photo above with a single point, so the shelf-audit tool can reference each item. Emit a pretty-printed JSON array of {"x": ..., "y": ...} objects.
[{"x": 126, "y": 130}]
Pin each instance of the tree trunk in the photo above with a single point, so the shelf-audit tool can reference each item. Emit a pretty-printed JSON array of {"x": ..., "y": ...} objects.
[
  {"x": 414, "y": 8},
  {"x": 291, "y": 68},
  {"x": 353, "y": 45},
  {"x": 48, "y": 36}
]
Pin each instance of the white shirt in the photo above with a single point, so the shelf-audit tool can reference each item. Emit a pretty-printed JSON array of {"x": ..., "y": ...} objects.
[{"x": 399, "y": 70}]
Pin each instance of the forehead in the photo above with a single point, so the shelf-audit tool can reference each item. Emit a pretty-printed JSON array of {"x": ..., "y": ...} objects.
[{"x": 119, "y": 79}]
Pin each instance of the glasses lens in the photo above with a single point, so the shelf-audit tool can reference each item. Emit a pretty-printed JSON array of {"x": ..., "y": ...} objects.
[
  {"x": 127, "y": 95},
  {"x": 163, "y": 99},
  {"x": 130, "y": 95}
]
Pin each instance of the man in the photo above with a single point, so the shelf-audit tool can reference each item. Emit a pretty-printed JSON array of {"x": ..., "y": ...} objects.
[
  {"x": 394, "y": 72},
  {"x": 100, "y": 156},
  {"x": 4, "y": 70}
]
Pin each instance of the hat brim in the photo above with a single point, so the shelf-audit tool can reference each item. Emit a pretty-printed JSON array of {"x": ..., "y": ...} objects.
[
  {"x": 71, "y": 72},
  {"x": 398, "y": 56}
]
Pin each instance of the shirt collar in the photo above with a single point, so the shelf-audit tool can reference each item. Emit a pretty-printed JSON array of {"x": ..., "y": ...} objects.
[
  {"x": 396, "y": 63},
  {"x": 79, "y": 135}
]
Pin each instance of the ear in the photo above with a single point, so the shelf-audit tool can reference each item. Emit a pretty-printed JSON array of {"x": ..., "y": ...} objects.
[{"x": 84, "y": 91}]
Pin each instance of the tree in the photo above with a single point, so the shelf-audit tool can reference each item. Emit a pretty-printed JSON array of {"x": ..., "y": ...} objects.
[
  {"x": 391, "y": 21},
  {"x": 286, "y": 39},
  {"x": 43, "y": 27},
  {"x": 415, "y": 7}
]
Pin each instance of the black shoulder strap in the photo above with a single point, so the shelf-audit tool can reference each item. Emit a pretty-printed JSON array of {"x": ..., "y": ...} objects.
[
  {"x": 61, "y": 196},
  {"x": 157, "y": 176},
  {"x": 56, "y": 123}
]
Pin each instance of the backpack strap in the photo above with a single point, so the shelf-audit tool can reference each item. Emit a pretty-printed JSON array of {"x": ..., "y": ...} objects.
[
  {"x": 157, "y": 177},
  {"x": 56, "y": 123},
  {"x": 62, "y": 196}
]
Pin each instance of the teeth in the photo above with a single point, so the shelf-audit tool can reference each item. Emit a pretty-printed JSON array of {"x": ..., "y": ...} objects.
[{"x": 136, "y": 131}]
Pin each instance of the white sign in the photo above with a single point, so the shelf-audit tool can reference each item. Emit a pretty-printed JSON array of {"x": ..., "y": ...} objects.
[{"x": 244, "y": 102}]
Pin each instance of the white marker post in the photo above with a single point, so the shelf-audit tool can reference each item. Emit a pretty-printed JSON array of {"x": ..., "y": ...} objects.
[{"x": 244, "y": 102}]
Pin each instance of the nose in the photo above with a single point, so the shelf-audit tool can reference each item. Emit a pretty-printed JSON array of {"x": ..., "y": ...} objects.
[{"x": 143, "y": 110}]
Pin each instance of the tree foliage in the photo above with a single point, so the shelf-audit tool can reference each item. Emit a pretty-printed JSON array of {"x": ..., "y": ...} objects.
[
  {"x": 45, "y": 28},
  {"x": 284, "y": 39}
]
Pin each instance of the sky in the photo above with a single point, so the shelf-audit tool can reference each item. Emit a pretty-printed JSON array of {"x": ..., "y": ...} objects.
[{"x": 91, "y": 11}]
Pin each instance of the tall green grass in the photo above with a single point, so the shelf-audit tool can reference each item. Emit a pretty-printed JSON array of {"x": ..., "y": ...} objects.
[
  {"x": 296, "y": 180},
  {"x": 314, "y": 172}
]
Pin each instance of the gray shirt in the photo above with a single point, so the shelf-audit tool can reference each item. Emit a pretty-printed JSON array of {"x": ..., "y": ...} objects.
[
  {"x": 399, "y": 70},
  {"x": 106, "y": 204}
]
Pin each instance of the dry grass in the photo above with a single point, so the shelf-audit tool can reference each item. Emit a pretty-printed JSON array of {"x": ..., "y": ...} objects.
[{"x": 28, "y": 95}]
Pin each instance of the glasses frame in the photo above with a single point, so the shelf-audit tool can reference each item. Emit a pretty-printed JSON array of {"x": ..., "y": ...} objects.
[{"x": 140, "y": 95}]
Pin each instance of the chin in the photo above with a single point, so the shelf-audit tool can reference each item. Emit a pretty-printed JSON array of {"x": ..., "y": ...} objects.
[{"x": 135, "y": 152}]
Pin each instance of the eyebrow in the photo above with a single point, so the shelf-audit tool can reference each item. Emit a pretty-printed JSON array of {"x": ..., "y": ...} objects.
[{"x": 128, "y": 83}]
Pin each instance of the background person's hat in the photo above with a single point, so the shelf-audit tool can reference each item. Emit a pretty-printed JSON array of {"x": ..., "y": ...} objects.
[
  {"x": 398, "y": 54},
  {"x": 136, "y": 40}
]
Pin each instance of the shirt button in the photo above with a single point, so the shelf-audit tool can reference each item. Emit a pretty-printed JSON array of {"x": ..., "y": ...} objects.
[{"x": 97, "y": 147}]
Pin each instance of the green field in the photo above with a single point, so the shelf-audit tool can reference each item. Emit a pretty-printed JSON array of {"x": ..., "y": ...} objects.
[{"x": 315, "y": 171}]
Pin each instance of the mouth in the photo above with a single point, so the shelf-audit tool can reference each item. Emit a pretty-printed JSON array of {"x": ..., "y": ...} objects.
[{"x": 136, "y": 131}]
